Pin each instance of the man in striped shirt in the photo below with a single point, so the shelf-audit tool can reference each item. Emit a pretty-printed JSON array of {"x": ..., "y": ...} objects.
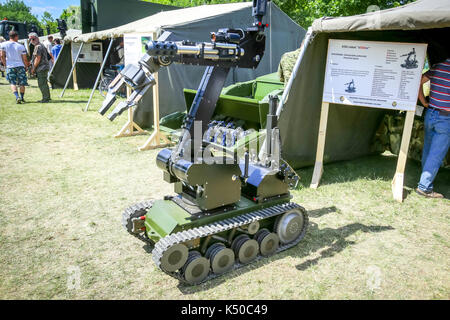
[{"x": 437, "y": 126}]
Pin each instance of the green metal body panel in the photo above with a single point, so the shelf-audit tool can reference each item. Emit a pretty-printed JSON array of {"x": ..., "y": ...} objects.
[
  {"x": 247, "y": 101},
  {"x": 166, "y": 217}
]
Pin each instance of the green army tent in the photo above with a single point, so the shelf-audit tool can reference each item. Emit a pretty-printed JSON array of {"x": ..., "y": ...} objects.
[{"x": 351, "y": 129}]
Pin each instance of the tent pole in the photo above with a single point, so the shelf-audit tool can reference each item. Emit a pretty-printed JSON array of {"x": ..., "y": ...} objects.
[
  {"x": 74, "y": 63},
  {"x": 53, "y": 67},
  {"x": 308, "y": 39},
  {"x": 99, "y": 74}
]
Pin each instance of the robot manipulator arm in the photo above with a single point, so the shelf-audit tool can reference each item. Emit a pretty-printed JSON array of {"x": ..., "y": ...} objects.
[
  {"x": 138, "y": 77},
  {"x": 227, "y": 49}
]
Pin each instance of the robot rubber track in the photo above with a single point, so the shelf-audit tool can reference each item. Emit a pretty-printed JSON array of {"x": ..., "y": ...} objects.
[{"x": 226, "y": 225}]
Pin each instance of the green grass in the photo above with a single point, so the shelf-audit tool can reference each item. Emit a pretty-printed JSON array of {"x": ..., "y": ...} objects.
[{"x": 64, "y": 181}]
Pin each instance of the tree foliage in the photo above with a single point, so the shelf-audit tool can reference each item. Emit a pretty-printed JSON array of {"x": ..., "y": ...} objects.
[
  {"x": 304, "y": 12},
  {"x": 48, "y": 22},
  {"x": 72, "y": 16},
  {"x": 17, "y": 10}
]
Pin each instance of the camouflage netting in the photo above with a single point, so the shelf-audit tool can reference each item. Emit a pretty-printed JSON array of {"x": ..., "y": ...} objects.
[
  {"x": 389, "y": 137},
  {"x": 287, "y": 64}
]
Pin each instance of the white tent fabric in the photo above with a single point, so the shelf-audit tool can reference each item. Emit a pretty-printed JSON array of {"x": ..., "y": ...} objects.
[
  {"x": 162, "y": 20},
  {"x": 70, "y": 33},
  {"x": 421, "y": 14},
  {"x": 195, "y": 24}
]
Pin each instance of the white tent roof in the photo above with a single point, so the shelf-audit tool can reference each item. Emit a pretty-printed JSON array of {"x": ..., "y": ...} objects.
[
  {"x": 421, "y": 14},
  {"x": 69, "y": 33},
  {"x": 163, "y": 19}
]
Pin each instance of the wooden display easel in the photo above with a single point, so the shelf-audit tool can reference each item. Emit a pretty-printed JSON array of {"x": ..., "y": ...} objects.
[
  {"x": 397, "y": 182},
  {"x": 157, "y": 139},
  {"x": 130, "y": 128}
]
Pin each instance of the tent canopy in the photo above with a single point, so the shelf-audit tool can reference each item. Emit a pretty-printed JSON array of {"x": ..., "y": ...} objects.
[
  {"x": 69, "y": 33},
  {"x": 417, "y": 15},
  {"x": 351, "y": 129},
  {"x": 195, "y": 24},
  {"x": 163, "y": 20}
]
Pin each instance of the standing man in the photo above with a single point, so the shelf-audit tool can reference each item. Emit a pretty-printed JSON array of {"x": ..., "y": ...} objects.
[
  {"x": 40, "y": 66},
  {"x": 14, "y": 57},
  {"x": 437, "y": 126}
]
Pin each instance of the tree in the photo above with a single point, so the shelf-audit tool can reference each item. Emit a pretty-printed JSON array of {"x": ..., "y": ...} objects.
[
  {"x": 48, "y": 21},
  {"x": 72, "y": 16},
  {"x": 17, "y": 10},
  {"x": 304, "y": 12}
]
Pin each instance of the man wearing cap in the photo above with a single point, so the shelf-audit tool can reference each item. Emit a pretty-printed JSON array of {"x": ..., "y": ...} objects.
[
  {"x": 437, "y": 126},
  {"x": 14, "y": 56},
  {"x": 40, "y": 66}
]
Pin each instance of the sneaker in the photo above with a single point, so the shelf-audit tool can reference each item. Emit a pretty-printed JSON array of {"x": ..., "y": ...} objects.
[
  {"x": 18, "y": 101},
  {"x": 43, "y": 101},
  {"x": 430, "y": 194},
  {"x": 22, "y": 99}
]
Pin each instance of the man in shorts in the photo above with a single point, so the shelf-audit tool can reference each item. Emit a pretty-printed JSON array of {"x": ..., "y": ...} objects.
[{"x": 14, "y": 57}]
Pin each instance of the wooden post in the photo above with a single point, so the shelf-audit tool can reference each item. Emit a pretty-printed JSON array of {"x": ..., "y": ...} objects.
[
  {"x": 74, "y": 74},
  {"x": 130, "y": 128},
  {"x": 154, "y": 141},
  {"x": 397, "y": 182},
  {"x": 318, "y": 166}
]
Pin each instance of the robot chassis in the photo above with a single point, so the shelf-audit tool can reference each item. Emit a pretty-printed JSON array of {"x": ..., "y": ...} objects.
[{"x": 230, "y": 211}]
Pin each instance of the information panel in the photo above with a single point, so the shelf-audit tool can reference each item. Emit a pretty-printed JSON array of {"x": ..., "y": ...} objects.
[
  {"x": 91, "y": 52},
  {"x": 134, "y": 46},
  {"x": 374, "y": 74}
]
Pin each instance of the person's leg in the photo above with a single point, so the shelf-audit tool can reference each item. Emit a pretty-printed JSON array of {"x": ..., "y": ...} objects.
[
  {"x": 429, "y": 132},
  {"x": 22, "y": 93},
  {"x": 22, "y": 81},
  {"x": 14, "y": 90},
  {"x": 11, "y": 76},
  {"x": 438, "y": 150},
  {"x": 43, "y": 85}
]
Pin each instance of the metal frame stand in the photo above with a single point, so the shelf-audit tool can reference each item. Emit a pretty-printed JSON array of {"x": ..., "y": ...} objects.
[
  {"x": 99, "y": 74},
  {"x": 71, "y": 70}
]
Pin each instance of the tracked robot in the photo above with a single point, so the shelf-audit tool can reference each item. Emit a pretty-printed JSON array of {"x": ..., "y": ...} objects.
[{"x": 230, "y": 209}]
